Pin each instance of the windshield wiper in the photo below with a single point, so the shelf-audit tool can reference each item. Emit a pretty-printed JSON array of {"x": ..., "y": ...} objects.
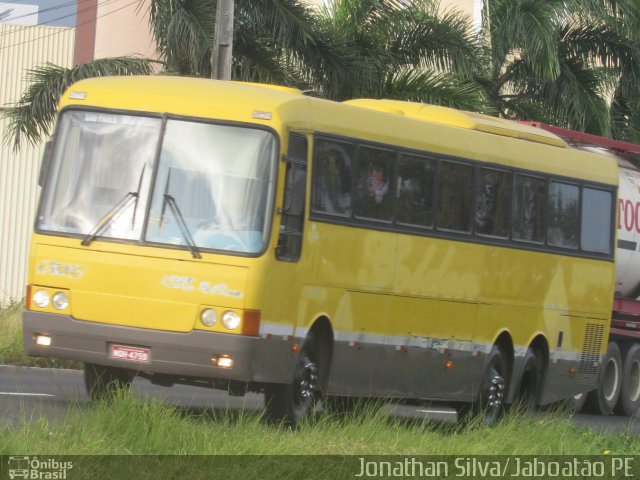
[
  {"x": 111, "y": 216},
  {"x": 168, "y": 199},
  {"x": 115, "y": 213}
]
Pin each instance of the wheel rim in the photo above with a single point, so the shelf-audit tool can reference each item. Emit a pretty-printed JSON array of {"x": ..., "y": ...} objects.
[
  {"x": 610, "y": 380},
  {"x": 495, "y": 393},
  {"x": 634, "y": 381},
  {"x": 306, "y": 383}
]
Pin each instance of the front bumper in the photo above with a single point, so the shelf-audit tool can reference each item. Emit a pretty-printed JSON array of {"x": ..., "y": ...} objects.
[{"x": 256, "y": 360}]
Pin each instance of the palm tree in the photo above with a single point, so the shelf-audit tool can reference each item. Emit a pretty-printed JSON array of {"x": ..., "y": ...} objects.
[
  {"x": 366, "y": 48},
  {"x": 31, "y": 119},
  {"x": 399, "y": 49},
  {"x": 559, "y": 60}
]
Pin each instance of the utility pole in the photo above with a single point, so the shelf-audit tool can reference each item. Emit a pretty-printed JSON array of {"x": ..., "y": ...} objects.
[{"x": 223, "y": 41}]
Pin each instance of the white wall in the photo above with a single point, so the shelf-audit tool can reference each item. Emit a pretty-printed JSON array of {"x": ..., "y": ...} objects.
[{"x": 22, "y": 48}]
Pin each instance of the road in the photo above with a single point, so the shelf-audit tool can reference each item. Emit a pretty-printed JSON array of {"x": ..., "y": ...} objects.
[{"x": 32, "y": 393}]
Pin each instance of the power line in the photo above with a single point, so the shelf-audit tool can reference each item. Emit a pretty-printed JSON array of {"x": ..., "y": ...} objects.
[
  {"x": 83, "y": 23},
  {"x": 58, "y": 18},
  {"x": 45, "y": 10}
]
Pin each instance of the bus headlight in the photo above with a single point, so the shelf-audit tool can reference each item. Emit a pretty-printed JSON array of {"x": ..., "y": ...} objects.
[
  {"x": 41, "y": 299},
  {"x": 60, "y": 301},
  {"x": 208, "y": 317},
  {"x": 230, "y": 320}
]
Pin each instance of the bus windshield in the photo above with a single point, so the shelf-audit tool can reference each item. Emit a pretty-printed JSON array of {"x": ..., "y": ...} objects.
[{"x": 212, "y": 184}]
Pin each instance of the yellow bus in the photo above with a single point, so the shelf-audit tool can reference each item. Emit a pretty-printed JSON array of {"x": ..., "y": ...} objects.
[{"x": 250, "y": 238}]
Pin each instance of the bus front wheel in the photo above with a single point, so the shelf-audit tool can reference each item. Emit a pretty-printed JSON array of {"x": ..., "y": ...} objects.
[
  {"x": 291, "y": 403},
  {"x": 103, "y": 382}
]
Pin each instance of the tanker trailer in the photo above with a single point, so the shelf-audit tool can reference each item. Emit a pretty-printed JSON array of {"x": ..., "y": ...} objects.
[{"x": 619, "y": 377}]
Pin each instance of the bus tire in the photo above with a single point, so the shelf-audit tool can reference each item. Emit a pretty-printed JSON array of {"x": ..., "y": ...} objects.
[
  {"x": 530, "y": 382},
  {"x": 103, "y": 382},
  {"x": 629, "y": 401},
  {"x": 604, "y": 399},
  {"x": 490, "y": 403},
  {"x": 291, "y": 403}
]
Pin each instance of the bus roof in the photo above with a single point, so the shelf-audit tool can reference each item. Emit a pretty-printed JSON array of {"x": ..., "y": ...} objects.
[
  {"x": 411, "y": 125},
  {"x": 462, "y": 119}
]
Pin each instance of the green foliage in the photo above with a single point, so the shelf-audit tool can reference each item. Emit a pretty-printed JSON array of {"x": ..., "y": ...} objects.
[
  {"x": 558, "y": 61},
  {"x": 32, "y": 117},
  {"x": 12, "y": 345},
  {"x": 129, "y": 426}
]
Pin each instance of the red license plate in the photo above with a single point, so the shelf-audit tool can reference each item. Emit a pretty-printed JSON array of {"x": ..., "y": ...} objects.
[{"x": 131, "y": 354}]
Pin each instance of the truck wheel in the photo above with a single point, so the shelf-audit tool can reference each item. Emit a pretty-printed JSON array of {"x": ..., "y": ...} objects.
[
  {"x": 103, "y": 382},
  {"x": 604, "y": 399},
  {"x": 630, "y": 386},
  {"x": 291, "y": 403}
]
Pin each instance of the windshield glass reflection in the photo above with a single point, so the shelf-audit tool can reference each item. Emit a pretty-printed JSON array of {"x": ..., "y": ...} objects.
[
  {"x": 214, "y": 184},
  {"x": 100, "y": 159},
  {"x": 221, "y": 178}
]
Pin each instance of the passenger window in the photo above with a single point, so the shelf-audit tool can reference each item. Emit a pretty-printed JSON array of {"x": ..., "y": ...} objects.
[
  {"x": 373, "y": 193},
  {"x": 455, "y": 199},
  {"x": 562, "y": 230},
  {"x": 596, "y": 221},
  {"x": 529, "y": 203},
  {"x": 415, "y": 191},
  {"x": 493, "y": 203},
  {"x": 332, "y": 179}
]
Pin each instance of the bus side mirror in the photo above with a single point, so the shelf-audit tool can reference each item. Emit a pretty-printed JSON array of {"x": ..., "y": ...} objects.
[{"x": 46, "y": 160}]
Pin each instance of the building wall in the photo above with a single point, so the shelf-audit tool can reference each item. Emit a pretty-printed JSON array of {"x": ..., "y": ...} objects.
[
  {"x": 22, "y": 48},
  {"x": 122, "y": 28}
]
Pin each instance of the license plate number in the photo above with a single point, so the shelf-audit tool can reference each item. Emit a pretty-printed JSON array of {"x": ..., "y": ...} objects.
[{"x": 130, "y": 354}]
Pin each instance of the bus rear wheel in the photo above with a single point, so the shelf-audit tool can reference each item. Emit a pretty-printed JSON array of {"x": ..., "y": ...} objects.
[
  {"x": 291, "y": 403},
  {"x": 490, "y": 402},
  {"x": 629, "y": 402},
  {"x": 530, "y": 382},
  {"x": 103, "y": 382},
  {"x": 604, "y": 399}
]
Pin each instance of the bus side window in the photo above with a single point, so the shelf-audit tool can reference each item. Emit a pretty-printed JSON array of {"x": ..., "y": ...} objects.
[
  {"x": 493, "y": 203},
  {"x": 596, "y": 220},
  {"x": 290, "y": 239},
  {"x": 374, "y": 200},
  {"x": 415, "y": 187},
  {"x": 562, "y": 230},
  {"x": 455, "y": 198},
  {"x": 529, "y": 202},
  {"x": 332, "y": 178}
]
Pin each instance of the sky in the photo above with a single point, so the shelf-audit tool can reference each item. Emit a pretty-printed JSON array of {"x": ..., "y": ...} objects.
[{"x": 56, "y": 13}]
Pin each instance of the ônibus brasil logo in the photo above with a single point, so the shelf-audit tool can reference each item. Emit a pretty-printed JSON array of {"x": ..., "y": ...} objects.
[{"x": 36, "y": 469}]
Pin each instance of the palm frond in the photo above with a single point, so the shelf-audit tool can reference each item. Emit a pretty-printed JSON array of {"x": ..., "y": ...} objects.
[
  {"x": 32, "y": 117},
  {"x": 573, "y": 100},
  {"x": 434, "y": 88}
]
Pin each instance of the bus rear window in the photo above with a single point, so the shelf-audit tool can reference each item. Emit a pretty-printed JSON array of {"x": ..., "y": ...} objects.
[{"x": 596, "y": 220}]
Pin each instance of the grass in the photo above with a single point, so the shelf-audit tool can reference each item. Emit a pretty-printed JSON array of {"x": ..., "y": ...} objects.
[
  {"x": 127, "y": 426},
  {"x": 12, "y": 346},
  {"x": 153, "y": 427}
]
